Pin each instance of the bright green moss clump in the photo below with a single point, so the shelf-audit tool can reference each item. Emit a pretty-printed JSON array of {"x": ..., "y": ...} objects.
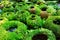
[
  {"x": 3, "y": 20},
  {"x": 51, "y": 10},
  {"x": 40, "y": 34},
  {"x": 15, "y": 29},
  {"x": 10, "y": 16},
  {"x": 4, "y": 35}
]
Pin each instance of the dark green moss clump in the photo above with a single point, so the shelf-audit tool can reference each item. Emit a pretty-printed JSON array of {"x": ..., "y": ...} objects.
[
  {"x": 22, "y": 16},
  {"x": 34, "y": 21},
  {"x": 53, "y": 23}
]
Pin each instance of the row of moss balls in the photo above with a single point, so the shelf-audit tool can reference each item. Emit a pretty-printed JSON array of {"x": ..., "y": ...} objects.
[
  {"x": 18, "y": 31},
  {"x": 15, "y": 30},
  {"x": 31, "y": 15}
]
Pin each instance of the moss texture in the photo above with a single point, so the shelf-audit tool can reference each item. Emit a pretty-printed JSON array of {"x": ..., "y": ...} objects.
[
  {"x": 22, "y": 15},
  {"x": 31, "y": 34},
  {"x": 53, "y": 23},
  {"x": 3, "y": 20},
  {"x": 10, "y": 16},
  {"x": 34, "y": 21},
  {"x": 15, "y": 29},
  {"x": 51, "y": 10}
]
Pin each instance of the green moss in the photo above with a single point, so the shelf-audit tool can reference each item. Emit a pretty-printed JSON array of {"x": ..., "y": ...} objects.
[
  {"x": 15, "y": 29},
  {"x": 51, "y": 10},
  {"x": 51, "y": 3},
  {"x": 58, "y": 12},
  {"x": 3, "y": 34},
  {"x": 8, "y": 9},
  {"x": 23, "y": 15},
  {"x": 53, "y": 23},
  {"x": 39, "y": 34},
  {"x": 10, "y": 16},
  {"x": 17, "y": 11},
  {"x": 34, "y": 21},
  {"x": 38, "y": 10},
  {"x": 34, "y": 9},
  {"x": 3, "y": 20},
  {"x": 8, "y": 6}
]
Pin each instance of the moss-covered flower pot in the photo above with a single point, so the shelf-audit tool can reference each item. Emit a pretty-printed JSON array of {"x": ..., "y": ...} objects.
[
  {"x": 51, "y": 11},
  {"x": 34, "y": 9},
  {"x": 10, "y": 16},
  {"x": 23, "y": 15},
  {"x": 15, "y": 30},
  {"x": 34, "y": 21},
  {"x": 53, "y": 23},
  {"x": 40, "y": 34}
]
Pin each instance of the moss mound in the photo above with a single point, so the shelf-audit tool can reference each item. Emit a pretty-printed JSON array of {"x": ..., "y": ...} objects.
[
  {"x": 15, "y": 29},
  {"x": 34, "y": 21},
  {"x": 53, "y": 23},
  {"x": 10, "y": 16},
  {"x": 40, "y": 34}
]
